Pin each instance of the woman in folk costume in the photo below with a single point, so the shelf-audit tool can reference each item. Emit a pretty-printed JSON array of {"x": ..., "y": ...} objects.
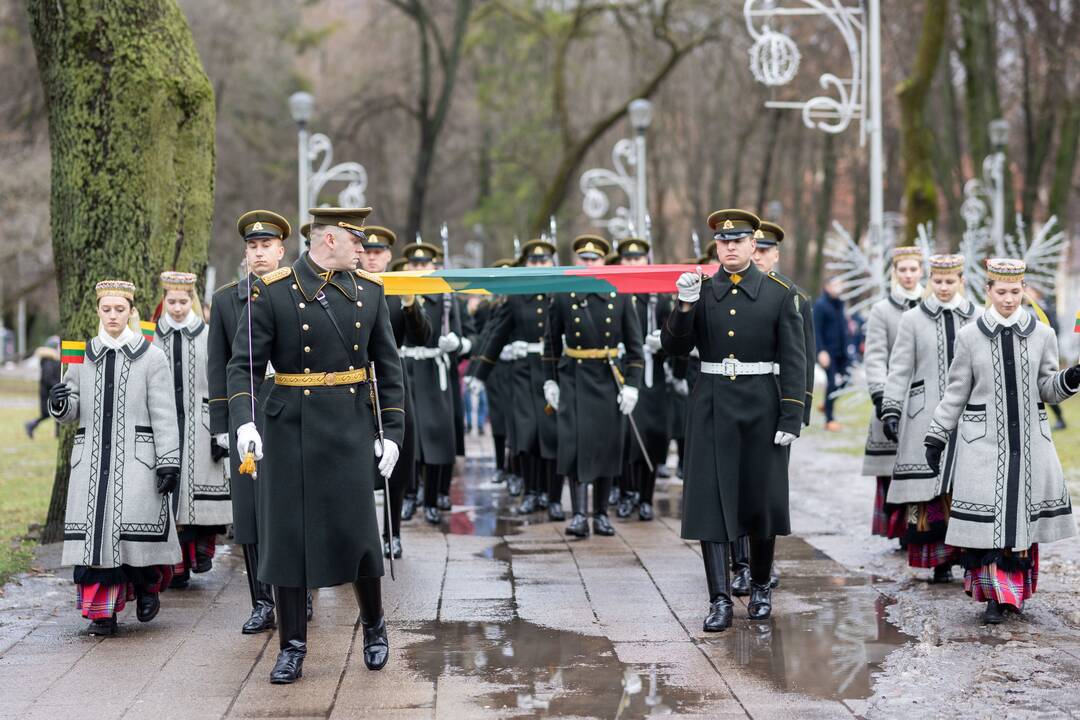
[
  {"x": 201, "y": 501},
  {"x": 918, "y": 372},
  {"x": 1009, "y": 493},
  {"x": 118, "y": 527},
  {"x": 881, "y": 327}
]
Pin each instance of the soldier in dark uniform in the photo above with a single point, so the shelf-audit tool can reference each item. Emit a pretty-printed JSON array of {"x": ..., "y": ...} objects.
[
  {"x": 522, "y": 321},
  {"x": 653, "y": 408},
  {"x": 498, "y": 387},
  {"x": 264, "y": 234},
  {"x": 427, "y": 366},
  {"x": 586, "y": 389},
  {"x": 743, "y": 411},
  {"x": 407, "y": 320},
  {"x": 322, "y": 324}
]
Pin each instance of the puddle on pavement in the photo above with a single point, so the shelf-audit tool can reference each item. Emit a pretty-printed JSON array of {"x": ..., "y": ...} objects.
[
  {"x": 832, "y": 641},
  {"x": 546, "y": 672}
]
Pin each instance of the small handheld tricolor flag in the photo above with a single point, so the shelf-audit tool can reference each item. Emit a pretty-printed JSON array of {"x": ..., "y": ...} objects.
[
  {"x": 72, "y": 352},
  {"x": 1076, "y": 327},
  {"x": 148, "y": 329}
]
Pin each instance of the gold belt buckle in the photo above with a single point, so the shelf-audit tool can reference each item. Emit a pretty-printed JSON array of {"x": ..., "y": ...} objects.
[{"x": 331, "y": 379}]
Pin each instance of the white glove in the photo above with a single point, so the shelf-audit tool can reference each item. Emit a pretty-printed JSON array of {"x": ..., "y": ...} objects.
[
  {"x": 246, "y": 434},
  {"x": 389, "y": 455},
  {"x": 689, "y": 286},
  {"x": 474, "y": 384},
  {"x": 551, "y": 393},
  {"x": 449, "y": 343},
  {"x": 681, "y": 387},
  {"x": 222, "y": 440},
  {"x": 520, "y": 349},
  {"x": 652, "y": 342},
  {"x": 783, "y": 439},
  {"x": 466, "y": 346},
  {"x": 507, "y": 353},
  {"x": 628, "y": 397}
]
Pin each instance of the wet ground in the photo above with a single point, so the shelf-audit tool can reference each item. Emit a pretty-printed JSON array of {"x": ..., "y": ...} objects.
[{"x": 496, "y": 615}]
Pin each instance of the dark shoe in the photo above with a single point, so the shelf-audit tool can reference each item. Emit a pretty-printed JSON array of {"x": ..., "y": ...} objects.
[
  {"x": 1059, "y": 425},
  {"x": 376, "y": 645},
  {"x": 542, "y": 501},
  {"x": 432, "y": 515},
  {"x": 105, "y": 627},
  {"x": 147, "y": 606},
  {"x": 180, "y": 580},
  {"x": 942, "y": 574},
  {"x": 444, "y": 503},
  {"x": 555, "y": 512},
  {"x": 203, "y": 564},
  {"x": 663, "y": 471},
  {"x": 408, "y": 508},
  {"x": 527, "y": 506},
  {"x": 774, "y": 579},
  {"x": 760, "y": 605},
  {"x": 515, "y": 485},
  {"x": 613, "y": 496},
  {"x": 644, "y": 511},
  {"x": 578, "y": 526},
  {"x": 719, "y": 617},
  {"x": 392, "y": 545},
  {"x": 499, "y": 478},
  {"x": 310, "y": 607},
  {"x": 602, "y": 526},
  {"x": 740, "y": 583},
  {"x": 290, "y": 665},
  {"x": 29, "y": 426},
  {"x": 625, "y": 507},
  {"x": 993, "y": 614},
  {"x": 261, "y": 620}
]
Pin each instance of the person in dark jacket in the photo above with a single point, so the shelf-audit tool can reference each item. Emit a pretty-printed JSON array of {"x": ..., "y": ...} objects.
[
  {"x": 830, "y": 330},
  {"x": 49, "y": 357}
]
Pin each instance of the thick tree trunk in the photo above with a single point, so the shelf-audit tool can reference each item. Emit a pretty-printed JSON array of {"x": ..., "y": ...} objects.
[
  {"x": 131, "y": 132},
  {"x": 920, "y": 190},
  {"x": 1065, "y": 162},
  {"x": 825, "y": 208},
  {"x": 771, "y": 143}
]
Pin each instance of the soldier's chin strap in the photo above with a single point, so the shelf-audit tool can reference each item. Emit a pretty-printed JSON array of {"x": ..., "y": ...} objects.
[{"x": 247, "y": 465}]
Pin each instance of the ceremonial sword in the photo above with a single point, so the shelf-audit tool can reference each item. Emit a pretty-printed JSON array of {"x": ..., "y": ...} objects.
[{"x": 374, "y": 386}]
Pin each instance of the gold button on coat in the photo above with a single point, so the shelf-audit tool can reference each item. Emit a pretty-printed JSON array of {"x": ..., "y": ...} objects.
[
  {"x": 731, "y": 333},
  {"x": 357, "y": 324},
  {"x": 732, "y": 311},
  {"x": 355, "y": 347},
  {"x": 302, "y": 306},
  {"x": 307, "y": 348},
  {"x": 306, "y": 326},
  {"x": 306, "y": 391},
  {"x": 735, "y": 291}
]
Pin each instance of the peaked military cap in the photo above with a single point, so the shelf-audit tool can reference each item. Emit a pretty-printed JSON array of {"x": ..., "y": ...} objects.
[
  {"x": 420, "y": 252},
  {"x": 259, "y": 224},
  {"x": 538, "y": 247},
  {"x": 769, "y": 234},
  {"x": 733, "y": 224},
  {"x": 633, "y": 247},
  {"x": 591, "y": 246},
  {"x": 613, "y": 259},
  {"x": 503, "y": 262},
  {"x": 305, "y": 230},
  {"x": 379, "y": 237},
  {"x": 398, "y": 264},
  {"x": 351, "y": 219}
]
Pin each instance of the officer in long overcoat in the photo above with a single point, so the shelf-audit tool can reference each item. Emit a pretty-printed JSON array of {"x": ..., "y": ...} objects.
[
  {"x": 322, "y": 324},
  {"x": 745, "y": 409},
  {"x": 264, "y": 234}
]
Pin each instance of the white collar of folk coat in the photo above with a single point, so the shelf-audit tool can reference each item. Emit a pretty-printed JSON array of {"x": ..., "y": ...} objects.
[
  {"x": 192, "y": 325},
  {"x": 959, "y": 305},
  {"x": 130, "y": 343},
  {"x": 992, "y": 323}
]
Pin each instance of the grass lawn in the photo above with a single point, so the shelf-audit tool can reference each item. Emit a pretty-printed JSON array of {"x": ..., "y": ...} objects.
[{"x": 26, "y": 476}]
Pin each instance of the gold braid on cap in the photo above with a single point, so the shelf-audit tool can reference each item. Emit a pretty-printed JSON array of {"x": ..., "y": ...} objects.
[
  {"x": 115, "y": 288},
  {"x": 1005, "y": 269},
  {"x": 946, "y": 263},
  {"x": 173, "y": 280},
  {"x": 906, "y": 252}
]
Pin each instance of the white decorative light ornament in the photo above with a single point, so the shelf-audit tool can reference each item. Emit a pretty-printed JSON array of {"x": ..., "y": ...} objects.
[{"x": 774, "y": 58}]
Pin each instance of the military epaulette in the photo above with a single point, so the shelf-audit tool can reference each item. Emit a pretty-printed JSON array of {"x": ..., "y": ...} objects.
[
  {"x": 280, "y": 274},
  {"x": 226, "y": 286},
  {"x": 369, "y": 276},
  {"x": 774, "y": 276}
]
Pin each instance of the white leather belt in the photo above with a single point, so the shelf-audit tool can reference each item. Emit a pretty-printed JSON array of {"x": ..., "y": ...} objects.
[
  {"x": 535, "y": 348},
  {"x": 442, "y": 360},
  {"x": 734, "y": 367}
]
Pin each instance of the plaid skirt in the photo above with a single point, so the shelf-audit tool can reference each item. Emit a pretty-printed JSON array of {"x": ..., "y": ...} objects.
[
  {"x": 927, "y": 523},
  {"x": 203, "y": 545},
  {"x": 1011, "y": 586},
  {"x": 101, "y": 600},
  {"x": 888, "y": 520}
]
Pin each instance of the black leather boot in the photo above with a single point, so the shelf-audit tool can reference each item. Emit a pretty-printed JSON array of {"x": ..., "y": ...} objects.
[
  {"x": 147, "y": 604},
  {"x": 444, "y": 503},
  {"x": 310, "y": 607},
  {"x": 292, "y": 635},
  {"x": 554, "y": 492},
  {"x": 761, "y": 561},
  {"x": 993, "y": 614},
  {"x": 541, "y": 501},
  {"x": 942, "y": 574},
  {"x": 432, "y": 515},
  {"x": 104, "y": 627},
  {"x": 601, "y": 492},
  {"x": 369, "y": 600},
  {"x": 625, "y": 506},
  {"x": 408, "y": 507},
  {"x": 740, "y": 567},
  {"x": 717, "y": 558},
  {"x": 514, "y": 485},
  {"x": 393, "y": 545},
  {"x": 262, "y": 596},
  {"x": 578, "y": 525}
]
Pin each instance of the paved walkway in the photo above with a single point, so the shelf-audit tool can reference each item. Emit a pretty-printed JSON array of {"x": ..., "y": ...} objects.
[{"x": 489, "y": 617}]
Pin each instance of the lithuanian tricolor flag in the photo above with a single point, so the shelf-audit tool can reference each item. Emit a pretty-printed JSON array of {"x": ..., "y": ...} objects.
[
  {"x": 1076, "y": 327},
  {"x": 148, "y": 328},
  {"x": 72, "y": 352},
  {"x": 526, "y": 280}
]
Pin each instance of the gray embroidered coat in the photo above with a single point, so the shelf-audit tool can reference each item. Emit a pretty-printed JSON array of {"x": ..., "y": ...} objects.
[
  {"x": 203, "y": 495},
  {"x": 918, "y": 371},
  {"x": 122, "y": 401},
  {"x": 881, "y": 328},
  {"x": 1008, "y": 490}
]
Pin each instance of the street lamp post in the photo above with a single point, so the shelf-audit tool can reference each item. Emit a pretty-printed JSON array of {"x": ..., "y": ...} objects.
[
  {"x": 315, "y": 155},
  {"x": 626, "y": 153},
  {"x": 994, "y": 172}
]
